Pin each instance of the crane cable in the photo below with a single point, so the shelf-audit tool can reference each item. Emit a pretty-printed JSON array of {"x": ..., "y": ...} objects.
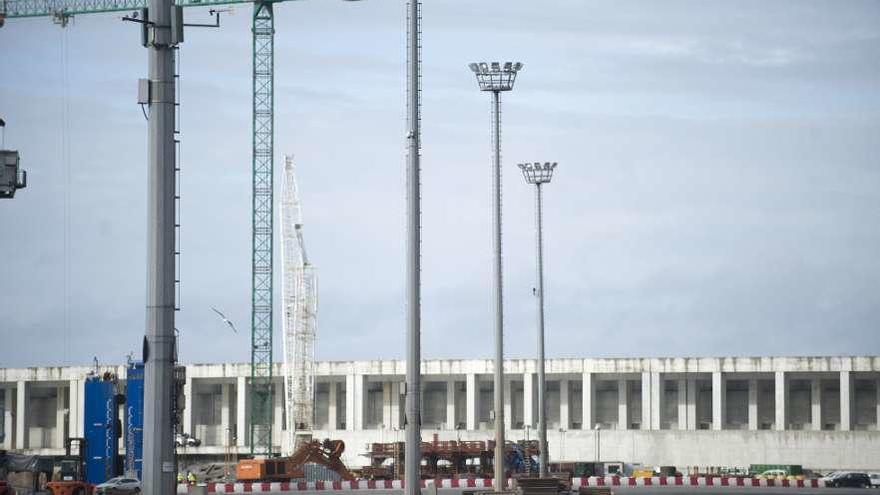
[{"x": 65, "y": 163}]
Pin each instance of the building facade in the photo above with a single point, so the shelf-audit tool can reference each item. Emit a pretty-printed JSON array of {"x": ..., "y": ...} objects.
[{"x": 821, "y": 412}]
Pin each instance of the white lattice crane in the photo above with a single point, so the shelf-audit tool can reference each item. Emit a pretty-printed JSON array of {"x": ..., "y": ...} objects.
[{"x": 300, "y": 311}]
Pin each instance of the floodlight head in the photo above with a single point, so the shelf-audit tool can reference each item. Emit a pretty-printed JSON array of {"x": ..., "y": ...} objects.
[
  {"x": 537, "y": 173},
  {"x": 493, "y": 76}
]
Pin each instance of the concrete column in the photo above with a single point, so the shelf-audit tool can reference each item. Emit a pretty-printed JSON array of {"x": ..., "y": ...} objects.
[
  {"x": 332, "y": 419},
  {"x": 658, "y": 398},
  {"x": 622, "y": 405},
  {"x": 386, "y": 405},
  {"x": 8, "y": 421},
  {"x": 21, "y": 426},
  {"x": 241, "y": 411},
  {"x": 360, "y": 401},
  {"x": 60, "y": 417},
  {"x": 528, "y": 402},
  {"x": 188, "y": 405},
  {"x": 395, "y": 404},
  {"x": 508, "y": 404},
  {"x": 76, "y": 418},
  {"x": 564, "y": 420},
  {"x": 876, "y": 405},
  {"x": 278, "y": 420},
  {"x": 350, "y": 400},
  {"x": 681, "y": 394},
  {"x": 691, "y": 404},
  {"x": 225, "y": 408},
  {"x": 845, "y": 401},
  {"x": 753, "y": 404},
  {"x": 719, "y": 400},
  {"x": 816, "y": 403},
  {"x": 588, "y": 394},
  {"x": 647, "y": 398},
  {"x": 471, "y": 402},
  {"x": 450, "y": 404},
  {"x": 781, "y": 394}
]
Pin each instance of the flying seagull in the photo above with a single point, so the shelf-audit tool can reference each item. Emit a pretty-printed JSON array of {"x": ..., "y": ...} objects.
[{"x": 225, "y": 319}]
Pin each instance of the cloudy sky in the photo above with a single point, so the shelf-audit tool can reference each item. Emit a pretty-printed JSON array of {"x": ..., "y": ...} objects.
[{"x": 718, "y": 190}]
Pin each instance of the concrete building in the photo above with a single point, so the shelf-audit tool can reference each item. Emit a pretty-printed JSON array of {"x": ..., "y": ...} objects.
[{"x": 821, "y": 412}]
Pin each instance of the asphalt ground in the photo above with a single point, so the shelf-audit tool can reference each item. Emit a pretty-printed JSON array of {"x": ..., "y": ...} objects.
[{"x": 633, "y": 490}]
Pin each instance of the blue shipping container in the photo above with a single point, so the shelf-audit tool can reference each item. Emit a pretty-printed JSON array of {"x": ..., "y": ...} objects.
[
  {"x": 101, "y": 427},
  {"x": 134, "y": 418}
]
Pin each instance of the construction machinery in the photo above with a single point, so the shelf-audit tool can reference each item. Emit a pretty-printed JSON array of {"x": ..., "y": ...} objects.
[
  {"x": 72, "y": 470},
  {"x": 451, "y": 459},
  {"x": 326, "y": 453},
  {"x": 299, "y": 316}
]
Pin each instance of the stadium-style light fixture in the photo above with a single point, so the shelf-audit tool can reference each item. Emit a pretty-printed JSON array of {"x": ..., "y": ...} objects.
[
  {"x": 537, "y": 173},
  {"x": 493, "y": 76}
]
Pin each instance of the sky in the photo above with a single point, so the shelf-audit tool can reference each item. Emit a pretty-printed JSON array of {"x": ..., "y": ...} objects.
[{"x": 717, "y": 193}]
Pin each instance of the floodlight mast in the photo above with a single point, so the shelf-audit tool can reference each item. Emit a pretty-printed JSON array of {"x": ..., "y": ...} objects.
[
  {"x": 497, "y": 78},
  {"x": 539, "y": 174}
]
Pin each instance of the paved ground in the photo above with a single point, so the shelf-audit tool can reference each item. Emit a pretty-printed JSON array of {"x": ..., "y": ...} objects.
[{"x": 664, "y": 490}]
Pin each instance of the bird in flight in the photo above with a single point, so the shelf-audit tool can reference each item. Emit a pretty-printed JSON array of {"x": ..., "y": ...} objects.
[{"x": 225, "y": 319}]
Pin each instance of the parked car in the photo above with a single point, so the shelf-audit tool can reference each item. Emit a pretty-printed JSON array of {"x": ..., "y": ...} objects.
[
  {"x": 849, "y": 479},
  {"x": 875, "y": 480},
  {"x": 120, "y": 485},
  {"x": 773, "y": 474},
  {"x": 186, "y": 440}
]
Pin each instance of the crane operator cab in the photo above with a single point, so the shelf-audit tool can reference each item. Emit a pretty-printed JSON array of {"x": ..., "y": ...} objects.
[{"x": 11, "y": 178}]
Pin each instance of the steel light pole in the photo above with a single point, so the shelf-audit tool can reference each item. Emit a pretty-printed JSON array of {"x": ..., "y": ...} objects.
[
  {"x": 412, "y": 451},
  {"x": 538, "y": 174},
  {"x": 497, "y": 78}
]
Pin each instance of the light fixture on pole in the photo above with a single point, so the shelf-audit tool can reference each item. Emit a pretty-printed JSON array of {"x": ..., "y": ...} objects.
[
  {"x": 497, "y": 78},
  {"x": 537, "y": 174}
]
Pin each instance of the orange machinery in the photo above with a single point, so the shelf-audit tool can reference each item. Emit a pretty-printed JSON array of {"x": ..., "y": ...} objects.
[
  {"x": 326, "y": 453},
  {"x": 71, "y": 482}
]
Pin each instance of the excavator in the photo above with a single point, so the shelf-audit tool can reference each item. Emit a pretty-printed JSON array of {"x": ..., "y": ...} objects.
[{"x": 326, "y": 453}]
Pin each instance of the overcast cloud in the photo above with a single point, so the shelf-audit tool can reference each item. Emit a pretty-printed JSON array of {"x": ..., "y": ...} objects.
[{"x": 718, "y": 190}]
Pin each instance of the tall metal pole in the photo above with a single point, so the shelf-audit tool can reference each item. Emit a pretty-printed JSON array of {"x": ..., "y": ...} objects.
[
  {"x": 496, "y": 78},
  {"x": 542, "y": 406},
  {"x": 538, "y": 174},
  {"x": 159, "y": 464},
  {"x": 497, "y": 292},
  {"x": 412, "y": 452}
]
